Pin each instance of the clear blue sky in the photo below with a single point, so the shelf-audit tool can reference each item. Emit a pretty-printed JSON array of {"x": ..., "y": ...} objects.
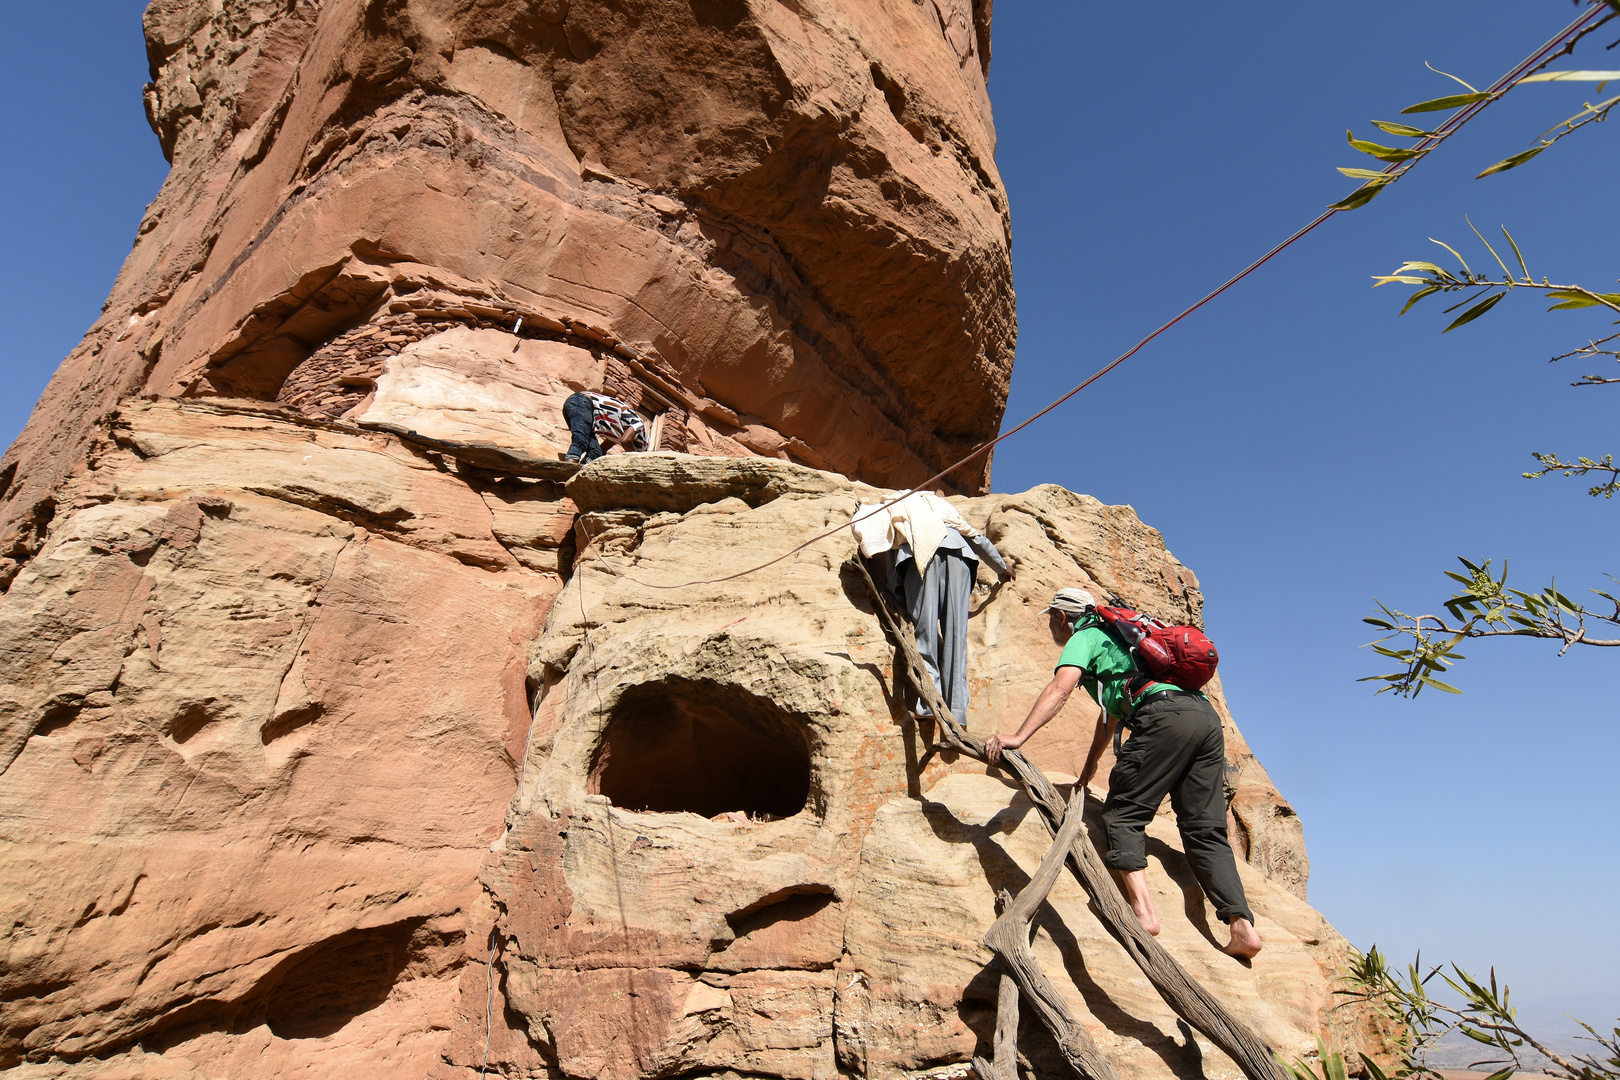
[{"x": 1300, "y": 448}]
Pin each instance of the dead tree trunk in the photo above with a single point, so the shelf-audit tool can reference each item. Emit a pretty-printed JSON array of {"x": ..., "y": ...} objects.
[
  {"x": 1184, "y": 994},
  {"x": 1005, "y": 1065},
  {"x": 1009, "y": 940}
]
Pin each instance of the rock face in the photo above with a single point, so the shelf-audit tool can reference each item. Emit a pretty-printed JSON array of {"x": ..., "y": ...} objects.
[
  {"x": 345, "y": 731},
  {"x": 780, "y": 223},
  {"x": 272, "y": 684}
]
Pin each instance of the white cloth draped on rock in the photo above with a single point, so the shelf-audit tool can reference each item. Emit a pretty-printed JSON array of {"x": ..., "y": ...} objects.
[
  {"x": 920, "y": 522},
  {"x": 932, "y": 554}
]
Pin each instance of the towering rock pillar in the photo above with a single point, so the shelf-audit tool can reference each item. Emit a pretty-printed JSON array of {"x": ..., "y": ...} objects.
[{"x": 785, "y": 219}]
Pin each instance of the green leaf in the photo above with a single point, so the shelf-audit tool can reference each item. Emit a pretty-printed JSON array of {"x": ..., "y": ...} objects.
[
  {"x": 1415, "y": 264},
  {"x": 1460, "y": 259},
  {"x": 1362, "y": 195},
  {"x": 1570, "y": 76},
  {"x": 1379, "y": 151},
  {"x": 1381, "y": 623},
  {"x": 1405, "y": 131},
  {"x": 1474, "y": 312},
  {"x": 1415, "y": 297},
  {"x": 1362, "y": 174},
  {"x": 1517, "y": 252},
  {"x": 1372, "y": 1068},
  {"x": 1513, "y": 162},
  {"x": 1574, "y": 299},
  {"x": 1478, "y": 1036},
  {"x": 1506, "y": 273},
  {"x": 1454, "y": 101}
]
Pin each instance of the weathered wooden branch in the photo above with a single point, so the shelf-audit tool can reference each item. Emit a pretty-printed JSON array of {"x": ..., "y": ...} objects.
[
  {"x": 1005, "y": 1065},
  {"x": 1185, "y": 995},
  {"x": 1008, "y": 938}
]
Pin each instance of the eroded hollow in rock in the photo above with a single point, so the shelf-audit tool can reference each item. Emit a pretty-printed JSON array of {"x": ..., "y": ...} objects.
[{"x": 705, "y": 747}]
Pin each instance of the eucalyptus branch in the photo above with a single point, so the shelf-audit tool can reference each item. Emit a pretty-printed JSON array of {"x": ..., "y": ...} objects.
[
  {"x": 1485, "y": 1015},
  {"x": 1464, "y": 107},
  {"x": 1568, "y": 48},
  {"x": 1484, "y": 608},
  {"x": 1591, "y": 349},
  {"x": 1432, "y": 278},
  {"x": 1589, "y": 114},
  {"x": 1580, "y": 467}
]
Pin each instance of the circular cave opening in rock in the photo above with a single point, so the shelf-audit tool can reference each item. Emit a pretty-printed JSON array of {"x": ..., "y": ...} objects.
[{"x": 704, "y": 747}]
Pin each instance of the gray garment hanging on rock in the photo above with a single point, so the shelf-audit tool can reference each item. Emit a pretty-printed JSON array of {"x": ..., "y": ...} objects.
[{"x": 938, "y": 603}]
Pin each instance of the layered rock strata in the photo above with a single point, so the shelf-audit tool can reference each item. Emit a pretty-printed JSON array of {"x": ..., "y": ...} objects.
[
  {"x": 784, "y": 220},
  {"x": 346, "y": 731},
  {"x": 317, "y": 739}
]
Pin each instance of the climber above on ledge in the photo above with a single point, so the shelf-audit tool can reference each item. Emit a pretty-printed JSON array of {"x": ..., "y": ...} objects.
[
  {"x": 596, "y": 418},
  {"x": 1175, "y": 747}
]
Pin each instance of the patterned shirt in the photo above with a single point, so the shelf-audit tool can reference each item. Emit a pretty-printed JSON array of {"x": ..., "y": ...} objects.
[{"x": 613, "y": 419}]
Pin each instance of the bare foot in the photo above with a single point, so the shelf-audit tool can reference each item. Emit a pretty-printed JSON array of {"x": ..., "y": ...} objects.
[
  {"x": 1133, "y": 883},
  {"x": 1245, "y": 941}
]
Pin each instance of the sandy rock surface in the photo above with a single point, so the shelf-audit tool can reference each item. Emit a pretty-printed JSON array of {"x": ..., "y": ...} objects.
[
  {"x": 637, "y": 931},
  {"x": 261, "y": 694},
  {"x": 267, "y": 700}
]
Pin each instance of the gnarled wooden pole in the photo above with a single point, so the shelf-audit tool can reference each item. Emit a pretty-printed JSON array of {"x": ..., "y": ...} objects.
[
  {"x": 1005, "y": 1065},
  {"x": 1008, "y": 938},
  {"x": 1184, "y": 994}
]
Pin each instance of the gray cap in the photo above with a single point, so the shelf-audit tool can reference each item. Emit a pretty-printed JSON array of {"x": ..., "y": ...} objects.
[{"x": 1072, "y": 602}]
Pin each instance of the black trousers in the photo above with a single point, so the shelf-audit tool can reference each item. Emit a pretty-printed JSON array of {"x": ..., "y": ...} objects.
[
  {"x": 580, "y": 417},
  {"x": 1176, "y": 747}
]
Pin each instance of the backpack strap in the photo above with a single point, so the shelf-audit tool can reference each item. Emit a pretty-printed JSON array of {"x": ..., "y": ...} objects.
[{"x": 1087, "y": 621}]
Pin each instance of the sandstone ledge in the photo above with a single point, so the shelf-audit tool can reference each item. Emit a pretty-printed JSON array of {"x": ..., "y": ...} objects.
[{"x": 677, "y": 483}]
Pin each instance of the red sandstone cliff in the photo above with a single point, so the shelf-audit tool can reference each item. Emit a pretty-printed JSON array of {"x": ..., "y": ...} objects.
[
  {"x": 342, "y": 730},
  {"x": 790, "y": 212}
]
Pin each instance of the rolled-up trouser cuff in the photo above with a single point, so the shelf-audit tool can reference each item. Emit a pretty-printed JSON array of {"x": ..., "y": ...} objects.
[
  {"x": 1215, "y": 866},
  {"x": 1125, "y": 861},
  {"x": 1176, "y": 748}
]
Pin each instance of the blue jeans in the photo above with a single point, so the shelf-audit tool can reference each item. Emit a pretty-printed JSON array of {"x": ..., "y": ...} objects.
[{"x": 581, "y": 420}]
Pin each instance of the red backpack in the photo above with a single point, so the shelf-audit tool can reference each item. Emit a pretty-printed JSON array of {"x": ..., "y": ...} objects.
[{"x": 1181, "y": 655}]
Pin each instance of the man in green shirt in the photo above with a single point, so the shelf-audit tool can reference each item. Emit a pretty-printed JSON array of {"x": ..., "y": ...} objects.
[{"x": 1175, "y": 747}]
